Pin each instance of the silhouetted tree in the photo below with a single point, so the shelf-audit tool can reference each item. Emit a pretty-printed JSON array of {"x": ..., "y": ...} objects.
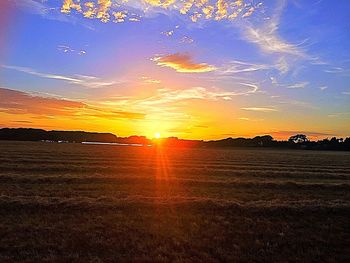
[
  {"x": 299, "y": 138},
  {"x": 24, "y": 134},
  {"x": 265, "y": 140}
]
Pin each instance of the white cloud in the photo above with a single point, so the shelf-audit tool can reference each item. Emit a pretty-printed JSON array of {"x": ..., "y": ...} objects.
[
  {"x": 338, "y": 70},
  {"x": 186, "y": 40},
  {"x": 149, "y": 80},
  {"x": 249, "y": 119},
  {"x": 260, "y": 109},
  {"x": 254, "y": 87},
  {"x": 44, "y": 9},
  {"x": 236, "y": 66},
  {"x": 82, "y": 80},
  {"x": 171, "y": 95},
  {"x": 68, "y": 49},
  {"x": 299, "y": 85},
  {"x": 168, "y": 33},
  {"x": 267, "y": 38}
]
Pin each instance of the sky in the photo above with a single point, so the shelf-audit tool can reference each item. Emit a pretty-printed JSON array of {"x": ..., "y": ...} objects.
[{"x": 194, "y": 69}]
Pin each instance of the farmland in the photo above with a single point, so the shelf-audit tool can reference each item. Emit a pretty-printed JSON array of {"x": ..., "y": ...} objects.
[{"x": 101, "y": 203}]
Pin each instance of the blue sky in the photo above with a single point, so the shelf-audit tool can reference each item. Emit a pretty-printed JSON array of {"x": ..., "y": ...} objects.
[{"x": 245, "y": 68}]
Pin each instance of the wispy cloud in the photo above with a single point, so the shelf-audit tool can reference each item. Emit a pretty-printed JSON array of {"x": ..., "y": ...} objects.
[
  {"x": 260, "y": 109},
  {"x": 35, "y": 7},
  {"x": 239, "y": 67},
  {"x": 338, "y": 70},
  {"x": 44, "y": 9},
  {"x": 186, "y": 40},
  {"x": 149, "y": 80},
  {"x": 342, "y": 115},
  {"x": 168, "y": 33},
  {"x": 299, "y": 85},
  {"x": 67, "y": 49},
  {"x": 267, "y": 38},
  {"x": 171, "y": 95},
  {"x": 249, "y": 119},
  {"x": 236, "y": 66},
  {"x": 182, "y": 63},
  {"x": 298, "y": 104},
  {"x": 18, "y": 102},
  {"x": 169, "y": 104},
  {"x": 254, "y": 88},
  {"x": 265, "y": 34},
  {"x": 82, "y": 80},
  {"x": 22, "y": 121},
  {"x": 43, "y": 75}
]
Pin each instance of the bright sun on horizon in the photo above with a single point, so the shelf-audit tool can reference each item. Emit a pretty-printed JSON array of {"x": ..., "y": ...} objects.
[{"x": 157, "y": 135}]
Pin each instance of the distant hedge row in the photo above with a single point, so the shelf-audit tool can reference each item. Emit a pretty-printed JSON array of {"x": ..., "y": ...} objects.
[
  {"x": 24, "y": 134},
  {"x": 299, "y": 141}
]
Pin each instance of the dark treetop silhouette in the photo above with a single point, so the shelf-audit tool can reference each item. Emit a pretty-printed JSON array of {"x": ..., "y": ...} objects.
[{"x": 299, "y": 141}]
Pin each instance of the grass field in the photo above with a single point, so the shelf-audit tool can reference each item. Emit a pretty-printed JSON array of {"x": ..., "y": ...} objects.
[{"x": 100, "y": 203}]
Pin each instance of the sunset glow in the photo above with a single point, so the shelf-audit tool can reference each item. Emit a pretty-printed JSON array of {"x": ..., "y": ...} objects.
[
  {"x": 189, "y": 69},
  {"x": 174, "y": 130}
]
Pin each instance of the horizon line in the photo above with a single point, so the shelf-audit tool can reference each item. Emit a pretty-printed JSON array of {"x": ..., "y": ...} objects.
[{"x": 291, "y": 133}]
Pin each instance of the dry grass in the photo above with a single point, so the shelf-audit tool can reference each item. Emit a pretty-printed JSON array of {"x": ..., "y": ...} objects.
[{"x": 86, "y": 203}]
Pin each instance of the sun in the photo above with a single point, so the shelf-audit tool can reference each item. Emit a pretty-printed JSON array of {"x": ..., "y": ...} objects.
[{"x": 157, "y": 135}]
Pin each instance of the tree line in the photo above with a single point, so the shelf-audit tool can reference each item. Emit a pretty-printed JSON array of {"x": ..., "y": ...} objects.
[{"x": 298, "y": 141}]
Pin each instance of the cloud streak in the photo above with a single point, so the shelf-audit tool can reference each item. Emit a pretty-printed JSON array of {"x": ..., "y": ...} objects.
[
  {"x": 18, "y": 102},
  {"x": 267, "y": 38},
  {"x": 182, "y": 63},
  {"x": 169, "y": 95},
  {"x": 236, "y": 66},
  {"x": 299, "y": 85},
  {"x": 260, "y": 109},
  {"x": 82, "y": 80}
]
